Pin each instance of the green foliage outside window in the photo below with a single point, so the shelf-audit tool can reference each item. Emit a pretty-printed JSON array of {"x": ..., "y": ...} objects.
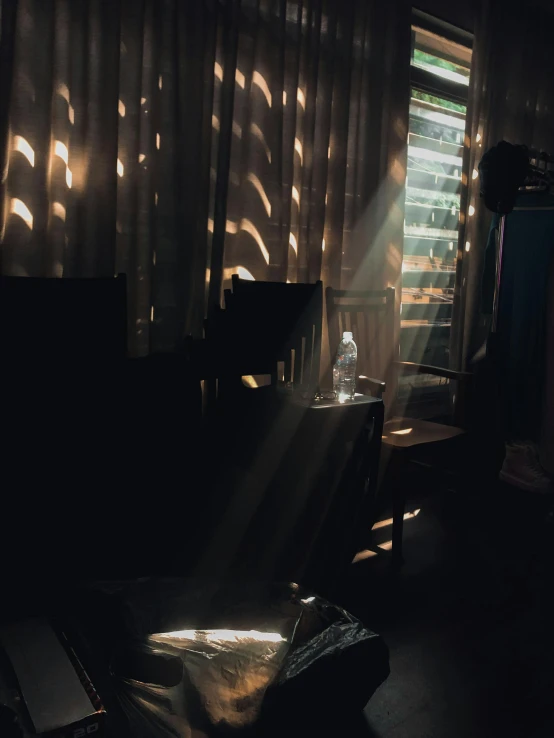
[{"x": 458, "y": 108}]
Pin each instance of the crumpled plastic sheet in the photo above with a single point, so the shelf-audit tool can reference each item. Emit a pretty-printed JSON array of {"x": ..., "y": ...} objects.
[{"x": 208, "y": 660}]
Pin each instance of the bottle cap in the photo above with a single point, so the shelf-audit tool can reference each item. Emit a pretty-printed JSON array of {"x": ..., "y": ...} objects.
[{"x": 347, "y": 336}]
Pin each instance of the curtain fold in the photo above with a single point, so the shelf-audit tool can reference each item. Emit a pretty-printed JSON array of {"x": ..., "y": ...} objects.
[
  {"x": 183, "y": 142},
  {"x": 511, "y": 98}
]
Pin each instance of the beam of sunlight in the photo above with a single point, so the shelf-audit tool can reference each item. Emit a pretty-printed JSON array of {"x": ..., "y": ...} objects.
[
  {"x": 60, "y": 149},
  {"x": 121, "y": 108},
  {"x": 471, "y": 210},
  {"x": 141, "y": 158},
  {"x": 301, "y": 97},
  {"x": 388, "y": 521},
  {"x": 284, "y": 98},
  {"x": 58, "y": 210},
  {"x": 261, "y": 192},
  {"x": 215, "y": 122},
  {"x": 152, "y": 313},
  {"x": 256, "y": 130},
  {"x": 381, "y": 226},
  {"x": 249, "y": 381},
  {"x": 323, "y": 245},
  {"x": 68, "y": 177},
  {"x": 474, "y": 174},
  {"x": 18, "y": 207},
  {"x": 71, "y": 113},
  {"x": 299, "y": 149},
  {"x": 218, "y": 71},
  {"x": 293, "y": 242},
  {"x": 240, "y": 79},
  {"x": 24, "y": 147},
  {"x": 160, "y": 82},
  {"x": 259, "y": 80},
  {"x": 398, "y": 172},
  {"x": 158, "y": 141},
  {"x": 250, "y": 228},
  {"x": 120, "y": 168},
  {"x": 403, "y": 432},
  {"x": 468, "y": 245},
  {"x": 211, "y": 225},
  {"x": 142, "y": 100},
  {"x": 296, "y": 196},
  {"x": 237, "y": 130},
  {"x": 231, "y": 226}
]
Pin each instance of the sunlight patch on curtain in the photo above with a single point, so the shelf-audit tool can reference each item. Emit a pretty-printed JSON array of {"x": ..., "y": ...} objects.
[
  {"x": 18, "y": 207},
  {"x": 24, "y": 147},
  {"x": 267, "y": 121},
  {"x": 59, "y": 211},
  {"x": 259, "y": 80},
  {"x": 60, "y": 149},
  {"x": 261, "y": 192}
]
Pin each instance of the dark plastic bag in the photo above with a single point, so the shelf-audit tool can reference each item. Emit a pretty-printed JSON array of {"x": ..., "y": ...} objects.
[{"x": 208, "y": 660}]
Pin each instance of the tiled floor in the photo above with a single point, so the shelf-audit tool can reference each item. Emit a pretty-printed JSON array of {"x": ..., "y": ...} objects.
[{"x": 469, "y": 622}]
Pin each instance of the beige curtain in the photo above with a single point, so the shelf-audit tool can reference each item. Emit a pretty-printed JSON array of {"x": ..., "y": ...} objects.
[
  {"x": 180, "y": 142},
  {"x": 511, "y": 98}
]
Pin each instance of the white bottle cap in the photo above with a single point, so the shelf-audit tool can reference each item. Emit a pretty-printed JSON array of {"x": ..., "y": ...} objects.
[{"x": 347, "y": 336}]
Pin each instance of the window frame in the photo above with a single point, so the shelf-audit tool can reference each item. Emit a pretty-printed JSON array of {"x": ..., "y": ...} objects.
[{"x": 426, "y": 82}]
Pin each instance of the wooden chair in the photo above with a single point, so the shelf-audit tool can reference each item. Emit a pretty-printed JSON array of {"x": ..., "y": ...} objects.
[
  {"x": 288, "y": 318},
  {"x": 370, "y": 317},
  {"x": 267, "y": 329}
]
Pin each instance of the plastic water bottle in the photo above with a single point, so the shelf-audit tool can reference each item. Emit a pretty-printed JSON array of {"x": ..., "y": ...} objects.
[{"x": 344, "y": 369}]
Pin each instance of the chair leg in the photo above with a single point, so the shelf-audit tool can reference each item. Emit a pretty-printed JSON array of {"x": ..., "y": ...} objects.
[{"x": 398, "y": 507}]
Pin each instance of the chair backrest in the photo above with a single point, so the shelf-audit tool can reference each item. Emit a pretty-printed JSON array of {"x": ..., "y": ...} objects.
[
  {"x": 285, "y": 321},
  {"x": 63, "y": 319},
  {"x": 369, "y": 314}
]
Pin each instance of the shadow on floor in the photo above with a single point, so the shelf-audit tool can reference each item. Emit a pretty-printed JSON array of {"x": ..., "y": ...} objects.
[{"x": 468, "y": 621}]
